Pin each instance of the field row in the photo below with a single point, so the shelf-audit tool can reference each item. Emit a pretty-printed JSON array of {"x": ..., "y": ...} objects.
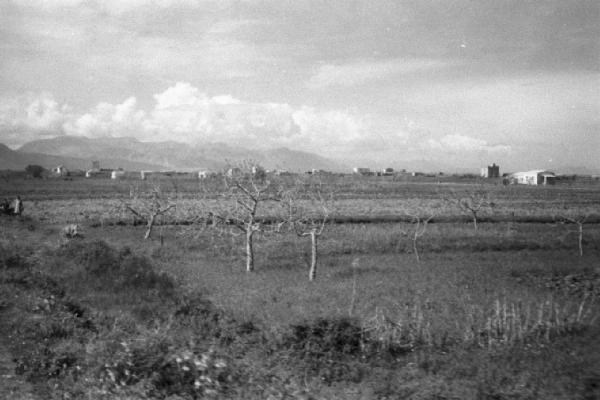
[{"x": 344, "y": 210}]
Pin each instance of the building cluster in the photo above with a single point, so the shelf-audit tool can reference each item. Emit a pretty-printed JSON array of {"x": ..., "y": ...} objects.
[
  {"x": 534, "y": 177},
  {"x": 367, "y": 171}
]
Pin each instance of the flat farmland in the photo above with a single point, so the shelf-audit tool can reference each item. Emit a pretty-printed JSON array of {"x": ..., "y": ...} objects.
[
  {"x": 80, "y": 199},
  {"x": 399, "y": 308}
]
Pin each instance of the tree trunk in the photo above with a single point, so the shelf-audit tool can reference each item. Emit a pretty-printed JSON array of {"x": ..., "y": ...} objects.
[
  {"x": 150, "y": 226},
  {"x": 475, "y": 220},
  {"x": 249, "y": 250},
  {"x": 416, "y": 250},
  {"x": 312, "y": 273},
  {"x": 415, "y": 238},
  {"x": 580, "y": 240}
]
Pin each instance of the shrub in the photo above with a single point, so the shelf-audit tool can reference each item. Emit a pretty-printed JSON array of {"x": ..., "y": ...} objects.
[
  {"x": 324, "y": 336},
  {"x": 137, "y": 272},
  {"x": 14, "y": 260},
  {"x": 97, "y": 257},
  {"x": 166, "y": 370},
  {"x": 35, "y": 171},
  {"x": 119, "y": 267}
]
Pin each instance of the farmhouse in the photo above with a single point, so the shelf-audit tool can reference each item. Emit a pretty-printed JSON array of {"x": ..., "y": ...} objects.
[
  {"x": 117, "y": 174},
  {"x": 60, "y": 171},
  {"x": 362, "y": 171},
  {"x": 94, "y": 171},
  {"x": 491, "y": 171},
  {"x": 535, "y": 177}
]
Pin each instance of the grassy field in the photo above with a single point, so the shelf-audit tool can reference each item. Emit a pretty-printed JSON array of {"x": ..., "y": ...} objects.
[{"x": 507, "y": 311}]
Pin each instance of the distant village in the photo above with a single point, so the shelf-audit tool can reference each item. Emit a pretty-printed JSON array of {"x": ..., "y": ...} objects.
[{"x": 533, "y": 177}]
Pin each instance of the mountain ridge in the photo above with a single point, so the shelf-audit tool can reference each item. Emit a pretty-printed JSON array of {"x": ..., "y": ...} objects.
[{"x": 173, "y": 155}]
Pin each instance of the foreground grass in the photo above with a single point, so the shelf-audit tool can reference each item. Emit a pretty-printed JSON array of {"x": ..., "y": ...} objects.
[{"x": 88, "y": 319}]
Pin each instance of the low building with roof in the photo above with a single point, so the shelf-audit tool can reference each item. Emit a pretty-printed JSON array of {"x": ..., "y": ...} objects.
[{"x": 534, "y": 177}]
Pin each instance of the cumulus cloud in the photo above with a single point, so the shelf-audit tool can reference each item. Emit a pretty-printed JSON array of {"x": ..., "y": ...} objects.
[
  {"x": 361, "y": 72},
  {"x": 31, "y": 116},
  {"x": 184, "y": 113},
  {"x": 108, "y": 120}
]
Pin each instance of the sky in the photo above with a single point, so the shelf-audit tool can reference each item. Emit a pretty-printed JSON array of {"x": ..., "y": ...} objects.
[{"x": 457, "y": 83}]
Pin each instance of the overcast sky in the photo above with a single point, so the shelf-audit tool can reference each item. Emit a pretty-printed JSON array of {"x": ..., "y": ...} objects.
[{"x": 463, "y": 83}]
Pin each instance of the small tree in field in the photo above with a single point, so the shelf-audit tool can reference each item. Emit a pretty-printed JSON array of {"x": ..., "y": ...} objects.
[
  {"x": 148, "y": 207},
  {"x": 419, "y": 229},
  {"x": 474, "y": 202},
  {"x": 247, "y": 187},
  {"x": 578, "y": 218},
  {"x": 307, "y": 213},
  {"x": 35, "y": 171}
]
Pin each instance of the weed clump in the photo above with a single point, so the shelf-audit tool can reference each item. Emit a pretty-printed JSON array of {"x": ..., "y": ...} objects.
[
  {"x": 164, "y": 369},
  {"x": 97, "y": 257},
  {"x": 324, "y": 336},
  {"x": 121, "y": 269},
  {"x": 138, "y": 272}
]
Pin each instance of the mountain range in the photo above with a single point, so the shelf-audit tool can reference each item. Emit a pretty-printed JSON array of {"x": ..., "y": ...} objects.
[{"x": 75, "y": 152}]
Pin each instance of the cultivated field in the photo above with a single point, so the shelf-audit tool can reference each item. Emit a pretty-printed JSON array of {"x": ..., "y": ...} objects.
[{"x": 410, "y": 300}]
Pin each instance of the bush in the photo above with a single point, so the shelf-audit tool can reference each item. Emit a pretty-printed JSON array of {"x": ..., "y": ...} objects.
[
  {"x": 324, "y": 336},
  {"x": 97, "y": 257},
  {"x": 121, "y": 268},
  {"x": 164, "y": 369},
  {"x": 35, "y": 171},
  {"x": 137, "y": 272}
]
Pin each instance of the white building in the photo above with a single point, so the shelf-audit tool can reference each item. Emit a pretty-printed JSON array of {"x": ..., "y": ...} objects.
[
  {"x": 535, "y": 177},
  {"x": 362, "y": 171},
  {"x": 117, "y": 174},
  {"x": 60, "y": 171}
]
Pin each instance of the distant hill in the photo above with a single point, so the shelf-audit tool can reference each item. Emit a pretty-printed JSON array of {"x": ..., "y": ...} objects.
[
  {"x": 18, "y": 160},
  {"x": 113, "y": 152}
]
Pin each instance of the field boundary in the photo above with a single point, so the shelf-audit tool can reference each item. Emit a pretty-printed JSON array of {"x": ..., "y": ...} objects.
[{"x": 364, "y": 219}]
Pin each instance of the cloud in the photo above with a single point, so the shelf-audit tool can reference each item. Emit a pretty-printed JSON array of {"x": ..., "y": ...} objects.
[
  {"x": 108, "y": 120},
  {"x": 357, "y": 73},
  {"x": 31, "y": 116},
  {"x": 184, "y": 113},
  {"x": 116, "y": 7},
  {"x": 461, "y": 143}
]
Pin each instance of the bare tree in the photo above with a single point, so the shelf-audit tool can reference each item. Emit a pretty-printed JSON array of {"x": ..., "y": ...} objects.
[
  {"x": 474, "y": 202},
  {"x": 579, "y": 218},
  {"x": 307, "y": 214},
  {"x": 420, "y": 227},
  {"x": 148, "y": 207},
  {"x": 247, "y": 187}
]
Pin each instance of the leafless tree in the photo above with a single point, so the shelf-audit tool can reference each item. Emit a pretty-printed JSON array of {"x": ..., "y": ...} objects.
[
  {"x": 307, "y": 213},
  {"x": 148, "y": 207},
  {"x": 577, "y": 217},
  {"x": 247, "y": 187},
  {"x": 419, "y": 229},
  {"x": 474, "y": 202}
]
